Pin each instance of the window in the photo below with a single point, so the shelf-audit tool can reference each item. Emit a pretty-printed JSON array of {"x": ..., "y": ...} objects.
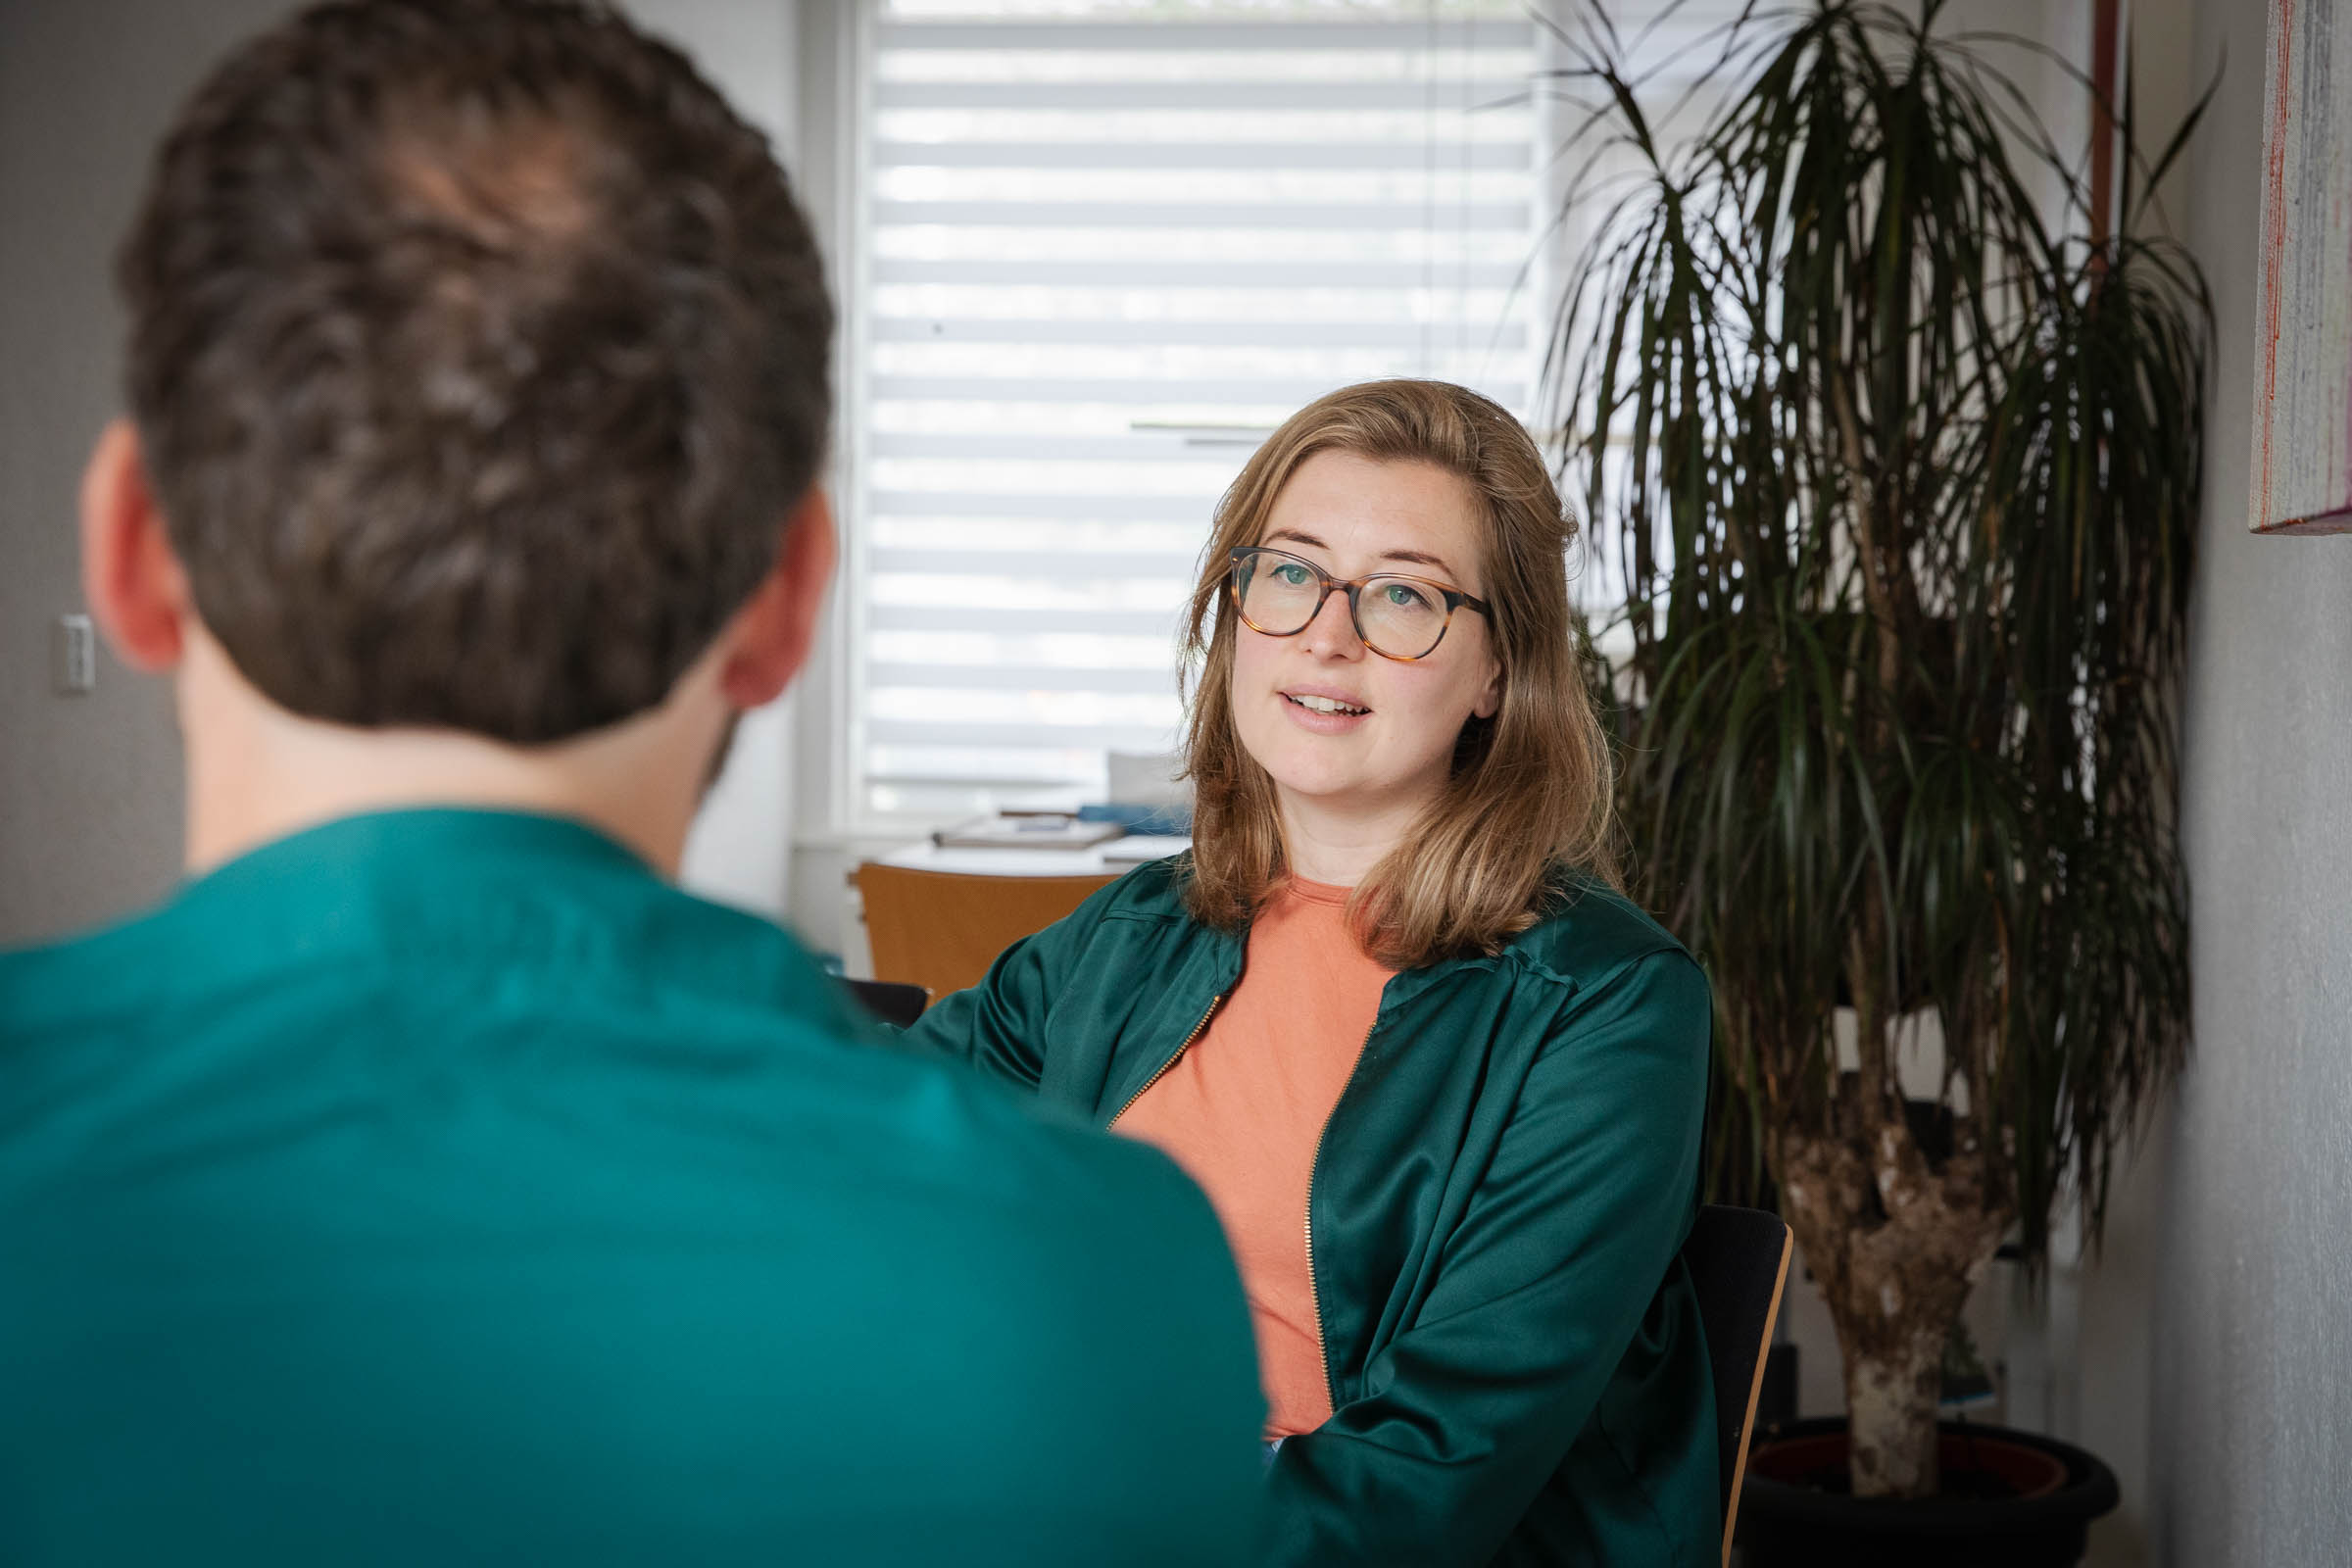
[{"x": 1105, "y": 250}]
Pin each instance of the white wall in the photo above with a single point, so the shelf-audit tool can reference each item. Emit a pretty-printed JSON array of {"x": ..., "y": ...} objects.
[
  {"x": 740, "y": 845},
  {"x": 89, "y": 785},
  {"x": 2252, "y": 1370},
  {"x": 2202, "y": 1351}
]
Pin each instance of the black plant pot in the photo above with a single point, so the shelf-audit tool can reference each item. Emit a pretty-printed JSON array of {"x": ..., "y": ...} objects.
[{"x": 2011, "y": 1499}]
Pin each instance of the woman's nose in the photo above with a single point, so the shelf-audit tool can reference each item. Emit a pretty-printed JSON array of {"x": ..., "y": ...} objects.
[{"x": 1332, "y": 633}]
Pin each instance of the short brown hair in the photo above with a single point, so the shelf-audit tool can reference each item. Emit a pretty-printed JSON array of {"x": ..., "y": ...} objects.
[
  {"x": 1529, "y": 804},
  {"x": 478, "y": 352}
]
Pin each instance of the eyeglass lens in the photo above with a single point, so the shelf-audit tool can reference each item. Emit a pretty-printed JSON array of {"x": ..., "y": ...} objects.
[{"x": 1393, "y": 615}]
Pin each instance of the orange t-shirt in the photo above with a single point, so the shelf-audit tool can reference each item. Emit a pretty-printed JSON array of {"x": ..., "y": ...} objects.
[{"x": 1244, "y": 1109}]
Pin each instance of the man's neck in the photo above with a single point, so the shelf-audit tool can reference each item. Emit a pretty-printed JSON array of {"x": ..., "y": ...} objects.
[{"x": 258, "y": 773}]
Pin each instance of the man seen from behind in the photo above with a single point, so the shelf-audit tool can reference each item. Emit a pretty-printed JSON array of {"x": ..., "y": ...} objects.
[{"x": 430, "y": 1180}]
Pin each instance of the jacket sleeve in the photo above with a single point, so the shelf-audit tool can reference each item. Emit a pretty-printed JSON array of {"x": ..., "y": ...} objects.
[
  {"x": 998, "y": 1025},
  {"x": 1540, "y": 1290}
]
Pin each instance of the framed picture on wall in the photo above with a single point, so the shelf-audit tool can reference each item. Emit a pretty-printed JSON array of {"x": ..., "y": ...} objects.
[{"x": 2303, "y": 353}]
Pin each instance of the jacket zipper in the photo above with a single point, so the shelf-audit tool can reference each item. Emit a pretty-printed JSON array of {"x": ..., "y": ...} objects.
[
  {"x": 1314, "y": 1295},
  {"x": 1214, "y": 1003}
]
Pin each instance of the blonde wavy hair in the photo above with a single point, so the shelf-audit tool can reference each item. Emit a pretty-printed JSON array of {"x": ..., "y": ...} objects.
[{"x": 1530, "y": 797}]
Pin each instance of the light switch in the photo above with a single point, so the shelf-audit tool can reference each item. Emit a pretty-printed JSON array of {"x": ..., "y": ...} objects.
[{"x": 76, "y": 656}]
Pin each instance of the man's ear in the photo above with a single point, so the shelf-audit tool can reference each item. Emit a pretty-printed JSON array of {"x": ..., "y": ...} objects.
[
  {"x": 136, "y": 589},
  {"x": 773, "y": 633}
]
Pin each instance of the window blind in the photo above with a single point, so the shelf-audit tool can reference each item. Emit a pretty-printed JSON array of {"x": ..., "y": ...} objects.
[{"x": 1107, "y": 251}]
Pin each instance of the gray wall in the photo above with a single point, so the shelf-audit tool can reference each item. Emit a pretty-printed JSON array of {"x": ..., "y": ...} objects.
[
  {"x": 89, "y": 786},
  {"x": 2252, "y": 1377}
]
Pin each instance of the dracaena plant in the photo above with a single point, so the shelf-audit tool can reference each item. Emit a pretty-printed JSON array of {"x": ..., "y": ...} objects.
[{"x": 1895, "y": 455}]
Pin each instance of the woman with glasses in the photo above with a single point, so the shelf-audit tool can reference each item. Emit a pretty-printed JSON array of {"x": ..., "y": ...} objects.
[{"x": 1443, "y": 1083}]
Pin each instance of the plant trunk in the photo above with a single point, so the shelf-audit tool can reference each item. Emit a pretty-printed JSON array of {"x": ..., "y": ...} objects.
[
  {"x": 1890, "y": 1398},
  {"x": 1895, "y": 1247}
]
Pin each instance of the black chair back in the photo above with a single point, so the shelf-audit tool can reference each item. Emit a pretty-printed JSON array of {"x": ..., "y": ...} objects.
[
  {"x": 889, "y": 1000},
  {"x": 1738, "y": 1262}
]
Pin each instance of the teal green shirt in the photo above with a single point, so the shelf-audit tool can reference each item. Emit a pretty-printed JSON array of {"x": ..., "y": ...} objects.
[{"x": 444, "y": 1187}]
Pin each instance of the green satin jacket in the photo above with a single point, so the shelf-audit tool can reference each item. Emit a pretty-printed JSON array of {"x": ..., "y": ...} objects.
[{"x": 1518, "y": 1374}]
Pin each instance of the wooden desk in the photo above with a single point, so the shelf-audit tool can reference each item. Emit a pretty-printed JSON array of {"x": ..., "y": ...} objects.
[{"x": 1116, "y": 855}]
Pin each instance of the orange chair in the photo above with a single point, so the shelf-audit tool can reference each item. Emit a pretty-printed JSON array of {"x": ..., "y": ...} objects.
[{"x": 943, "y": 929}]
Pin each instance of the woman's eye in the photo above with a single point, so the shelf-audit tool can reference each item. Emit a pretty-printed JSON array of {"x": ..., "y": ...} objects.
[
  {"x": 1401, "y": 597},
  {"x": 1291, "y": 575}
]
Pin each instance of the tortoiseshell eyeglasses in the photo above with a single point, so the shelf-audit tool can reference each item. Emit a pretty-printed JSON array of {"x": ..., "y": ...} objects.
[{"x": 1396, "y": 617}]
